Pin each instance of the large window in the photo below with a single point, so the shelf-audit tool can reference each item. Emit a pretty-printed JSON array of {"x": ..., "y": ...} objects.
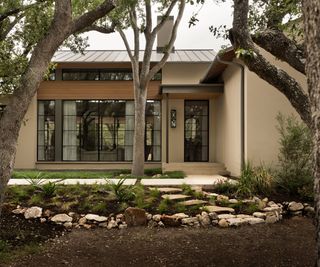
[
  {"x": 100, "y": 75},
  {"x": 102, "y": 130},
  {"x": 46, "y": 130}
]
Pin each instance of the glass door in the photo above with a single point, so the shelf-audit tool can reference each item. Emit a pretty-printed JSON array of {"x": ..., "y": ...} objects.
[{"x": 196, "y": 131}]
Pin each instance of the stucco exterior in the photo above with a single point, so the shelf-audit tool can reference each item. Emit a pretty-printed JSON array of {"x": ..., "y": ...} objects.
[
  {"x": 263, "y": 104},
  {"x": 227, "y": 116}
]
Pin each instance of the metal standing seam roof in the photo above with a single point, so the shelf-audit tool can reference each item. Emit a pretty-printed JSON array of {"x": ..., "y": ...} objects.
[{"x": 106, "y": 56}]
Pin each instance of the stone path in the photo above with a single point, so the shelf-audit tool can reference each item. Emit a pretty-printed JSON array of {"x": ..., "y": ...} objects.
[{"x": 194, "y": 180}]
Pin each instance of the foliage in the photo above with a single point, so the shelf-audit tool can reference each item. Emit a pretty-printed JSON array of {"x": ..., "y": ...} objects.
[
  {"x": 175, "y": 174},
  {"x": 226, "y": 188},
  {"x": 49, "y": 189},
  {"x": 122, "y": 192},
  {"x": 164, "y": 205},
  {"x": 294, "y": 174},
  {"x": 151, "y": 172},
  {"x": 187, "y": 189},
  {"x": 254, "y": 181},
  {"x": 34, "y": 174}
]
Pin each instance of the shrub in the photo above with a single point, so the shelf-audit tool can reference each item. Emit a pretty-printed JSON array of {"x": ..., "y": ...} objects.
[
  {"x": 295, "y": 163},
  {"x": 48, "y": 189},
  {"x": 226, "y": 188},
  {"x": 255, "y": 181},
  {"x": 154, "y": 171},
  {"x": 186, "y": 189},
  {"x": 164, "y": 205},
  {"x": 174, "y": 174}
]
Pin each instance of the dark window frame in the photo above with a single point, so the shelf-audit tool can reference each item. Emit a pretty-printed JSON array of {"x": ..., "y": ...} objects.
[
  {"x": 208, "y": 129},
  {"x": 157, "y": 77}
]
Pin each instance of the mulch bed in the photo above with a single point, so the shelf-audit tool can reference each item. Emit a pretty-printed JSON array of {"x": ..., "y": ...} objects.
[{"x": 287, "y": 243}]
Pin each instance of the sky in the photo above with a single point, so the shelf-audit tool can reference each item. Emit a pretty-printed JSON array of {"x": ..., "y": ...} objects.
[{"x": 196, "y": 37}]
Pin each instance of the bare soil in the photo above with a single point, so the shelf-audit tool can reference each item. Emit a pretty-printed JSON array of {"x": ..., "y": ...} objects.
[{"x": 288, "y": 243}]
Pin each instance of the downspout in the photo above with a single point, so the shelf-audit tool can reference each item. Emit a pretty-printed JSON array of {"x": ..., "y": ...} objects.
[
  {"x": 242, "y": 112},
  {"x": 167, "y": 127}
]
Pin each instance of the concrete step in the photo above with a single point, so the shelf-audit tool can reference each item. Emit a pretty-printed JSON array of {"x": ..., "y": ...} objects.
[{"x": 196, "y": 168}]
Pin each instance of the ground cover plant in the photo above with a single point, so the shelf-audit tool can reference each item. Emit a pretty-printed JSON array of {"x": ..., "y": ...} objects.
[{"x": 124, "y": 173}]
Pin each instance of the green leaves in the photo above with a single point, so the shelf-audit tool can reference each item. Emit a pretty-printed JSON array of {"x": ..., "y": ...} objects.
[{"x": 244, "y": 53}]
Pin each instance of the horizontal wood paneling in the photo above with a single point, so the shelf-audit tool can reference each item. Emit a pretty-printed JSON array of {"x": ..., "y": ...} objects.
[{"x": 93, "y": 90}]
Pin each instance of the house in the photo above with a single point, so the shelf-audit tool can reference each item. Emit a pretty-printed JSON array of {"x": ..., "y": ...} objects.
[{"x": 205, "y": 114}]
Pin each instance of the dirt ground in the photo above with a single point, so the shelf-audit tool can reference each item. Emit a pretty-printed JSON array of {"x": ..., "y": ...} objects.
[{"x": 288, "y": 243}]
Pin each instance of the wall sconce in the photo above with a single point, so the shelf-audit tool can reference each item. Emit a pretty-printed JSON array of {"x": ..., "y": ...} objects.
[{"x": 173, "y": 118}]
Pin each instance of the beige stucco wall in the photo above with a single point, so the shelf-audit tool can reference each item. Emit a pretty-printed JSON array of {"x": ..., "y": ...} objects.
[
  {"x": 263, "y": 103},
  {"x": 227, "y": 117},
  {"x": 183, "y": 73},
  {"x": 27, "y": 142}
]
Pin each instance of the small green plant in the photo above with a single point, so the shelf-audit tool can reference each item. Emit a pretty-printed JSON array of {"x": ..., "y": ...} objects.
[
  {"x": 226, "y": 188},
  {"x": 36, "y": 199},
  {"x": 187, "y": 189},
  {"x": 164, "y": 205},
  {"x": 178, "y": 207},
  {"x": 122, "y": 192},
  {"x": 48, "y": 189},
  {"x": 100, "y": 207},
  {"x": 155, "y": 193},
  {"x": 139, "y": 196}
]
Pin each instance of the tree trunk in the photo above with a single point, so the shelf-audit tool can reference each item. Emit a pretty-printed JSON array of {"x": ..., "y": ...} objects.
[
  {"x": 139, "y": 130},
  {"x": 311, "y": 10}
]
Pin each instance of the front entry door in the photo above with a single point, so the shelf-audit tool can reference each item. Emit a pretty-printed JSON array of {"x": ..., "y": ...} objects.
[{"x": 196, "y": 130}]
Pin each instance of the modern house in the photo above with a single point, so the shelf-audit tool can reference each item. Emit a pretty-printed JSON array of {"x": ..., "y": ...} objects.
[{"x": 205, "y": 114}]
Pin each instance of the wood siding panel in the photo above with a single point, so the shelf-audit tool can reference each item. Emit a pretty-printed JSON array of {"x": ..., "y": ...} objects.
[{"x": 93, "y": 90}]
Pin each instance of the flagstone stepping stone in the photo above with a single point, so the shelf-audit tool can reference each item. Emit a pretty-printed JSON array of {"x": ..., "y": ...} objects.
[
  {"x": 175, "y": 196},
  {"x": 168, "y": 190},
  {"x": 218, "y": 209},
  {"x": 193, "y": 202}
]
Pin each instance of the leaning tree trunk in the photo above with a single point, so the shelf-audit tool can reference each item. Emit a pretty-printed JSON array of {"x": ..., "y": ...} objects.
[
  {"x": 311, "y": 10},
  {"x": 139, "y": 130}
]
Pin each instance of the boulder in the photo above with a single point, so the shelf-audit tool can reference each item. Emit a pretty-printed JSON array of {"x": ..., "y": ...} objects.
[
  {"x": 223, "y": 223},
  {"x": 33, "y": 212},
  {"x": 190, "y": 221},
  {"x": 294, "y": 206},
  {"x": 135, "y": 217},
  {"x": 61, "y": 218},
  {"x": 156, "y": 217},
  {"x": 96, "y": 218},
  {"x": 171, "y": 220},
  {"x": 253, "y": 220},
  {"x": 236, "y": 221}
]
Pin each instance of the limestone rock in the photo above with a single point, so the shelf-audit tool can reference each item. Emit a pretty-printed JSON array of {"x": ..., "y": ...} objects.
[
  {"x": 233, "y": 201},
  {"x": 19, "y": 210},
  {"x": 271, "y": 219},
  {"x": 259, "y": 215},
  {"x": 82, "y": 221},
  {"x": 112, "y": 224},
  {"x": 152, "y": 224},
  {"x": 167, "y": 190},
  {"x": 33, "y": 212},
  {"x": 226, "y": 216},
  {"x": 43, "y": 220},
  {"x": 253, "y": 220},
  {"x": 236, "y": 221},
  {"x": 181, "y": 215},
  {"x": 213, "y": 215},
  {"x": 309, "y": 211},
  {"x": 135, "y": 217},
  {"x": 170, "y": 220},
  {"x": 222, "y": 198},
  {"x": 294, "y": 206},
  {"x": 218, "y": 209},
  {"x": 67, "y": 225},
  {"x": 223, "y": 223},
  {"x": 123, "y": 226},
  {"x": 190, "y": 221},
  {"x": 96, "y": 218},
  {"x": 204, "y": 219},
  {"x": 61, "y": 218},
  {"x": 175, "y": 197},
  {"x": 156, "y": 217},
  {"x": 193, "y": 202}
]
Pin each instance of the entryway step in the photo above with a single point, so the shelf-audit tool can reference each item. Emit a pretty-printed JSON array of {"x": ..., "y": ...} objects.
[{"x": 196, "y": 168}]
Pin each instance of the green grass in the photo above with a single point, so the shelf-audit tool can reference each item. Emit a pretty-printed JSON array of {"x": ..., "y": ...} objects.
[{"x": 125, "y": 173}]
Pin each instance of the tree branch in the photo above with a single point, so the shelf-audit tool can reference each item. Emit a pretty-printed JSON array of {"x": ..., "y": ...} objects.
[
  {"x": 126, "y": 43},
  {"x": 279, "y": 45},
  {"x": 135, "y": 28},
  {"x": 241, "y": 39},
  {"x": 164, "y": 17},
  {"x": 101, "y": 29},
  {"x": 92, "y": 15},
  {"x": 166, "y": 55}
]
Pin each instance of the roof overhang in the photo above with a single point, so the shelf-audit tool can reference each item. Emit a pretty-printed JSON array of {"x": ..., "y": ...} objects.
[
  {"x": 217, "y": 67},
  {"x": 192, "y": 89}
]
